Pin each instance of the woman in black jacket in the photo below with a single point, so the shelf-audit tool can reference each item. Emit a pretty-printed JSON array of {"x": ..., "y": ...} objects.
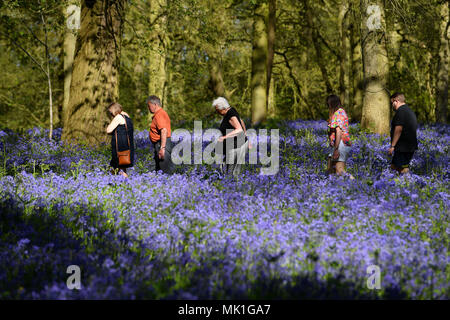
[{"x": 121, "y": 129}]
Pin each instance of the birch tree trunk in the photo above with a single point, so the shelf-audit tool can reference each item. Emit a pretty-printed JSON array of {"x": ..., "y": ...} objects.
[
  {"x": 259, "y": 64},
  {"x": 443, "y": 62},
  {"x": 376, "y": 104},
  {"x": 95, "y": 75},
  {"x": 49, "y": 78}
]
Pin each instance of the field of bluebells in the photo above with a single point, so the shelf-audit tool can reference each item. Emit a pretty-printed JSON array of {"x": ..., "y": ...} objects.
[{"x": 198, "y": 235}]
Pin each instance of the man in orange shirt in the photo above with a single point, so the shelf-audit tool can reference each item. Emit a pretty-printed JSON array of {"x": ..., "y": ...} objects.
[{"x": 159, "y": 134}]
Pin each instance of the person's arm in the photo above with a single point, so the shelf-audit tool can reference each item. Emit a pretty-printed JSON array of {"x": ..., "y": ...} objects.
[
  {"x": 337, "y": 141},
  {"x": 243, "y": 126},
  {"x": 163, "y": 143},
  {"x": 237, "y": 129},
  {"x": 114, "y": 123},
  {"x": 397, "y": 133}
]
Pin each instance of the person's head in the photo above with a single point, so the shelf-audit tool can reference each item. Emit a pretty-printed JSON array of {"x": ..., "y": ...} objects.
[
  {"x": 153, "y": 104},
  {"x": 114, "y": 109},
  {"x": 333, "y": 103},
  {"x": 397, "y": 100},
  {"x": 221, "y": 105}
]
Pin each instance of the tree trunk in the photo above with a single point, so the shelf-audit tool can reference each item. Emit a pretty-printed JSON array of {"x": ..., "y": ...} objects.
[
  {"x": 345, "y": 66},
  {"x": 271, "y": 24},
  {"x": 271, "y": 107},
  {"x": 358, "y": 83},
  {"x": 442, "y": 75},
  {"x": 259, "y": 64},
  {"x": 157, "y": 54},
  {"x": 49, "y": 78},
  {"x": 395, "y": 39},
  {"x": 356, "y": 63},
  {"x": 95, "y": 71},
  {"x": 217, "y": 84},
  {"x": 376, "y": 104},
  {"x": 72, "y": 14}
]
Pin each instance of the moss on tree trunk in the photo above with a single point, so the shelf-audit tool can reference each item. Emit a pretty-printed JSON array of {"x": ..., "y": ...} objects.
[{"x": 95, "y": 75}]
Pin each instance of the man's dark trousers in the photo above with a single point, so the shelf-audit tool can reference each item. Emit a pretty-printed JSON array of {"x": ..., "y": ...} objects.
[{"x": 166, "y": 164}]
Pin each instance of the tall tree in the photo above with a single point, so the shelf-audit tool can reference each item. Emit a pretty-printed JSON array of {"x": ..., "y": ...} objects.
[
  {"x": 376, "y": 106},
  {"x": 443, "y": 62},
  {"x": 271, "y": 35},
  {"x": 345, "y": 53},
  {"x": 72, "y": 15},
  {"x": 158, "y": 48},
  {"x": 259, "y": 63},
  {"x": 95, "y": 71}
]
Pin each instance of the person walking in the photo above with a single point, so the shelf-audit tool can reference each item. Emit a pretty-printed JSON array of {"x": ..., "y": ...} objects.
[
  {"x": 160, "y": 133},
  {"x": 122, "y": 137},
  {"x": 234, "y": 140},
  {"x": 338, "y": 135},
  {"x": 403, "y": 134}
]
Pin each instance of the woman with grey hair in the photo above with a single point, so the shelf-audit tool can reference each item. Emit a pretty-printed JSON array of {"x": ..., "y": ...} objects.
[{"x": 234, "y": 140}]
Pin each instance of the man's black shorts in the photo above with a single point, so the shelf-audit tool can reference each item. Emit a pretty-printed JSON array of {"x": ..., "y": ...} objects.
[{"x": 402, "y": 159}]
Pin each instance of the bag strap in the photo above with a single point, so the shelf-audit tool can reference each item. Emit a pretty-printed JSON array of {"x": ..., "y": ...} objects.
[
  {"x": 126, "y": 127},
  {"x": 128, "y": 137}
]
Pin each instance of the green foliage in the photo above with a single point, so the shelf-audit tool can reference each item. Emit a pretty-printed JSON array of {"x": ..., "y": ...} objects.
[{"x": 211, "y": 36}]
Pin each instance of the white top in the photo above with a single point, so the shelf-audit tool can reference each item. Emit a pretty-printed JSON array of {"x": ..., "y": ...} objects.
[{"x": 118, "y": 120}]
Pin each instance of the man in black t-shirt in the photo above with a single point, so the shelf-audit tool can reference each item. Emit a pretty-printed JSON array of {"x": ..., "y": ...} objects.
[{"x": 403, "y": 134}]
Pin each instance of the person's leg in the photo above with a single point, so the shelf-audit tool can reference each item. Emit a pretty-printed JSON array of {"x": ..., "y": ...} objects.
[
  {"x": 166, "y": 164},
  {"x": 400, "y": 161},
  {"x": 124, "y": 172},
  {"x": 407, "y": 159},
  {"x": 340, "y": 167},
  {"x": 156, "y": 147},
  {"x": 229, "y": 161},
  {"x": 240, "y": 159},
  {"x": 331, "y": 169},
  {"x": 404, "y": 170},
  {"x": 344, "y": 152},
  {"x": 394, "y": 167}
]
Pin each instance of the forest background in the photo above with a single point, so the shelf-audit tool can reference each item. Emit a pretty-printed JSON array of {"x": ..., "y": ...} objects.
[{"x": 64, "y": 62}]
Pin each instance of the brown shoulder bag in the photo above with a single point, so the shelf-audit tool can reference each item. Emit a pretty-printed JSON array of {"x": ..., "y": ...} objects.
[{"x": 124, "y": 156}]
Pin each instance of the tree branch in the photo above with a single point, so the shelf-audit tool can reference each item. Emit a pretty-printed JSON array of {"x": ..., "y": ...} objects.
[{"x": 27, "y": 53}]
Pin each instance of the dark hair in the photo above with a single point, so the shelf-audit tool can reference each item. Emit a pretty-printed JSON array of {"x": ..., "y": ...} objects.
[
  {"x": 399, "y": 96},
  {"x": 334, "y": 103},
  {"x": 154, "y": 100}
]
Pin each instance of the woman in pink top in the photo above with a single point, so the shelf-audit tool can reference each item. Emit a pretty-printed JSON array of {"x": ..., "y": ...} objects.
[{"x": 339, "y": 136}]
